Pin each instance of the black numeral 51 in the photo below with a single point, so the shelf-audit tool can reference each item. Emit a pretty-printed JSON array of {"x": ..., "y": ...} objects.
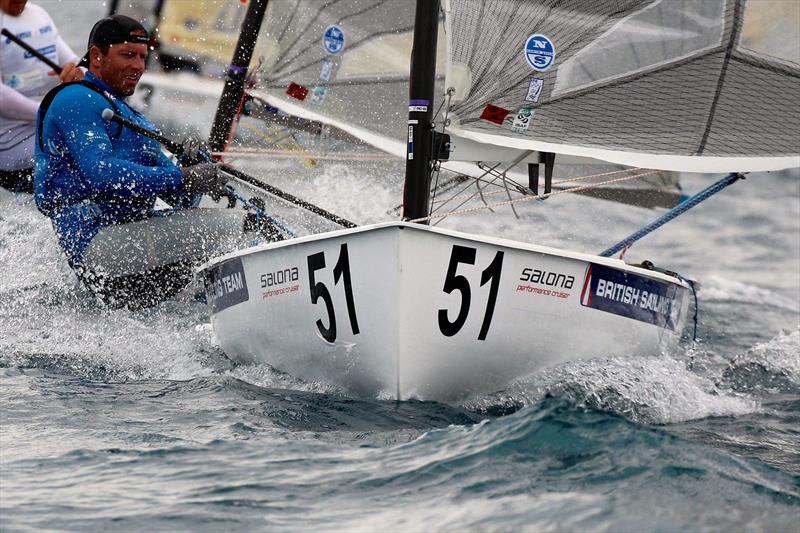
[
  {"x": 319, "y": 290},
  {"x": 457, "y": 282}
]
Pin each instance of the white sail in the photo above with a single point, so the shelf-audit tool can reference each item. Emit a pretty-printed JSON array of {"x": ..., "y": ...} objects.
[
  {"x": 344, "y": 63},
  {"x": 686, "y": 86}
]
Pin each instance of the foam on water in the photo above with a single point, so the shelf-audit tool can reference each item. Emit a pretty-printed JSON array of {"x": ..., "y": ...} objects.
[
  {"x": 716, "y": 288},
  {"x": 652, "y": 390},
  {"x": 772, "y": 366},
  {"x": 339, "y": 184}
]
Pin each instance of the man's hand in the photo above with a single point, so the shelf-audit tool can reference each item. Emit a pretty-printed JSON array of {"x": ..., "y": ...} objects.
[
  {"x": 192, "y": 148},
  {"x": 204, "y": 178},
  {"x": 69, "y": 72}
]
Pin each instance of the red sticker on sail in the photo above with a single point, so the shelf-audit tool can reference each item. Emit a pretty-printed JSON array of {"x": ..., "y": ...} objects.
[
  {"x": 297, "y": 91},
  {"x": 495, "y": 114}
]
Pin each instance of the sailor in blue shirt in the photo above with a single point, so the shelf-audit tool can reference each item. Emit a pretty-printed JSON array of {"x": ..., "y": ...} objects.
[{"x": 91, "y": 173}]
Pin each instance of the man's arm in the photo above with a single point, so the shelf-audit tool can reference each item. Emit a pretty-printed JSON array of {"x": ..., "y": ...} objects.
[
  {"x": 16, "y": 106},
  {"x": 76, "y": 114}
]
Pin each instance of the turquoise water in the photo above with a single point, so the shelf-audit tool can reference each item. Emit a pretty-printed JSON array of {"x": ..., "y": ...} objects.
[{"x": 113, "y": 419}]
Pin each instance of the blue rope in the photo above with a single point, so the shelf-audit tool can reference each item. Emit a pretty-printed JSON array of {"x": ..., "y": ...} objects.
[
  {"x": 261, "y": 213},
  {"x": 672, "y": 213},
  {"x": 696, "y": 306}
]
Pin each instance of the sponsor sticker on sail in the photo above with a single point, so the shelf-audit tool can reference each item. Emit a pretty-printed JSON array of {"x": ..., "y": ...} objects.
[
  {"x": 495, "y": 114},
  {"x": 535, "y": 86},
  {"x": 326, "y": 70},
  {"x": 333, "y": 39},
  {"x": 297, "y": 91},
  {"x": 522, "y": 120},
  {"x": 318, "y": 95},
  {"x": 539, "y": 52}
]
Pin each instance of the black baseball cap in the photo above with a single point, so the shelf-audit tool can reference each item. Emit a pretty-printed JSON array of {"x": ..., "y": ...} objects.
[{"x": 115, "y": 29}]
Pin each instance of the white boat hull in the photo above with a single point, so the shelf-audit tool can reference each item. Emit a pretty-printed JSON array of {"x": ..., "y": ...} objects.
[{"x": 405, "y": 310}]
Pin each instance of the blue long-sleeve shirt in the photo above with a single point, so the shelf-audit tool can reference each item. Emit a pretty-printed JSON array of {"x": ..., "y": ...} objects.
[{"x": 91, "y": 173}]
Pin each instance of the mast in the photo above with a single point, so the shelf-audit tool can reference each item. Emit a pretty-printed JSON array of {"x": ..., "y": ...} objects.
[
  {"x": 420, "y": 110},
  {"x": 237, "y": 72},
  {"x": 112, "y": 7}
]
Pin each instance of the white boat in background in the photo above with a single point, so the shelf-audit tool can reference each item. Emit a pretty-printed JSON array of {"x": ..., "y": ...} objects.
[{"x": 405, "y": 309}]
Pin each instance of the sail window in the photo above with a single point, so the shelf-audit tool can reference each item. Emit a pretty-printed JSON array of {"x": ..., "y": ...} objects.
[
  {"x": 771, "y": 29},
  {"x": 664, "y": 32}
]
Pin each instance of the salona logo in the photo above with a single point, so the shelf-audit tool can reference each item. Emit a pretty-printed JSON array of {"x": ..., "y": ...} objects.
[
  {"x": 539, "y": 52},
  {"x": 280, "y": 277},
  {"x": 551, "y": 279}
]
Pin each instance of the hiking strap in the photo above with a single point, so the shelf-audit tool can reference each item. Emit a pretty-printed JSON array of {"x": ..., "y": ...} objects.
[{"x": 50, "y": 96}]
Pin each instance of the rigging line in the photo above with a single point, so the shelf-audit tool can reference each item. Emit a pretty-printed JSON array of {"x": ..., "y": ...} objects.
[
  {"x": 580, "y": 178},
  {"x": 467, "y": 198},
  {"x": 696, "y": 304},
  {"x": 438, "y": 147},
  {"x": 570, "y": 180},
  {"x": 508, "y": 194},
  {"x": 445, "y": 202},
  {"x": 457, "y": 197},
  {"x": 502, "y": 176},
  {"x": 486, "y": 172},
  {"x": 520, "y": 187},
  {"x": 480, "y": 190},
  {"x": 300, "y": 154},
  {"x": 676, "y": 211},
  {"x": 585, "y": 187},
  {"x": 447, "y": 184},
  {"x": 526, "y": 199}
]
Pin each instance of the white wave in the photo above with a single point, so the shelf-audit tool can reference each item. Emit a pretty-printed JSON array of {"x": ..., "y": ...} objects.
[
  {"x": 544, "y": 512},
  {"x": 267, "y": 377},
  {"x": 654, "y": 390},
  {"x": 718, "y": 289},
  {"x": 340, "y": 184},
  {"x": 770, "y": 366},
  {"x": 50, "y": 320},
  {"x": 782, "y": 352}
]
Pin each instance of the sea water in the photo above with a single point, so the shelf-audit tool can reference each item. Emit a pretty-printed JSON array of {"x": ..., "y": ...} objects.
[
  {"x": 137, "y": 420},
  {"x": 118, "y": 419}
]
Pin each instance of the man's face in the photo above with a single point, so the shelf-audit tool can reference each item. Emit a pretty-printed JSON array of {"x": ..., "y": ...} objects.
[
  {"x": 121, "y": 67},
  {"x": 13, "y": 7}
]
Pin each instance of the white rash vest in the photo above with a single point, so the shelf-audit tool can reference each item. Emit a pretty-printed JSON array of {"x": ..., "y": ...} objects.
[{"x": 25, "y": 81}]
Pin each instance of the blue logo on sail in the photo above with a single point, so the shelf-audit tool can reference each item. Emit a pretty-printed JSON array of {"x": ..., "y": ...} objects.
[
  {"x": 539, "y": 52},
  {"x": 333, "y": 39}
]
